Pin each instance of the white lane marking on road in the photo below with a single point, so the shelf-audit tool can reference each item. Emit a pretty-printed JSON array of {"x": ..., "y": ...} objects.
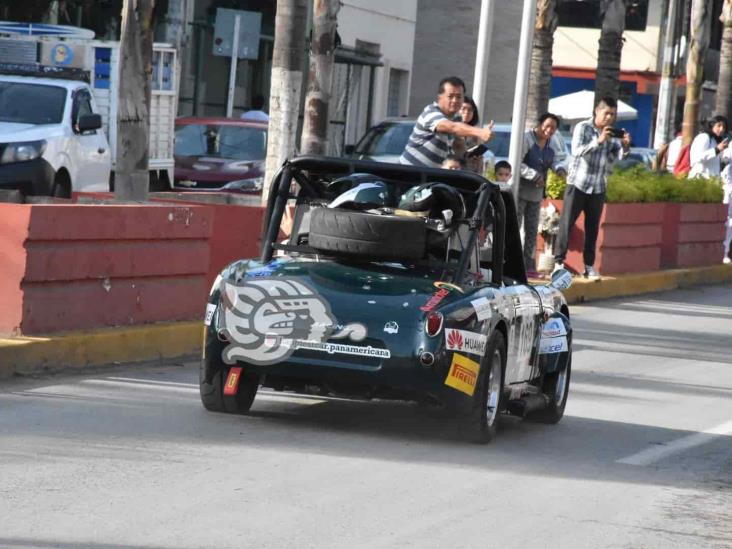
[
  {"x": 151, "y": 381},
  {"x": 657, "y": 453},
  {"x": 191, "y": 388}
]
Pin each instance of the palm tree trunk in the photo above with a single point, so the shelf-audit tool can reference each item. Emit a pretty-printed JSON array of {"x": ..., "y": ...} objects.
[
  {"x": 607, "y": 80},
  {"x": 320, "y": 77},
  {"x": 698, "y": 43},
  {"x": 724, "y": 84},
  {"x": 540, "y": 75},
  {"x": 131, "y": 177},
  {"x": 286, "y": 85}
]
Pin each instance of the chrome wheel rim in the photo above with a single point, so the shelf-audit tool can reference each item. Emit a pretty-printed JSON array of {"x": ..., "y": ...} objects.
[
  {"x": 559, "y": 389},
  {"x": 494, "y": 388}
]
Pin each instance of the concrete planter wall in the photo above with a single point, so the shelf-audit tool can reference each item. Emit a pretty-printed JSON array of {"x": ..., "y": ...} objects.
[
  {"x": 73, "y": 267},
  {"x": 645, "y": 237},
  {"x": 693, "y": 234}
]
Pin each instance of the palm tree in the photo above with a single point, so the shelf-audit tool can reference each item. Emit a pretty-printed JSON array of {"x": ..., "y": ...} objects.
[
  {"x": 320, "y": 77},
  {"x": 540, "y": 77},
  {"x": 724, "y": 84},
  {"x": 132, "y": 179},
  {"x": 698, "y": 43},
  {"x": 607, "y": 80},
  {"x": 286, "y": 85}
]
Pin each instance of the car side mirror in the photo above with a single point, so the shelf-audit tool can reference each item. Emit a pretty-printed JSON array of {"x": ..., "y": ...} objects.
[
  {"x": 561, "y": 279},
  {"x": 89, "y": 122},
  {"x": 349, "y": 149}
]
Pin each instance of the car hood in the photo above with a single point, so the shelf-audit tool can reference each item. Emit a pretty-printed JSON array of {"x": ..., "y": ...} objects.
[
  {"x": 208, "y": 168},
  {"x": 11, "y": 132}
]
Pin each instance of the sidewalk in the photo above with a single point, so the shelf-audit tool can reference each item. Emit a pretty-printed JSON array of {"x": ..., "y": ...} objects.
[{"x": 37, "y": 355}]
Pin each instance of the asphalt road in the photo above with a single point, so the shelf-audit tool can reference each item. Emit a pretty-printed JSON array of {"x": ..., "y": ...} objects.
[{"x": 127, "y": 457}]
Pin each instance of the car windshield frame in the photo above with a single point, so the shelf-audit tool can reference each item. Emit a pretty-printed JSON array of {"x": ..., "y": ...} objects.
[
  {"x": 208, "y": 142},
  {"x": 21, "y": 103}
]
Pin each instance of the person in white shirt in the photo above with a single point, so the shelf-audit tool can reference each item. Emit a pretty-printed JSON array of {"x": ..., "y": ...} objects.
[
  {"x": 727, "y": 180},
  {"x": 708, "y": 148},
  {"x": 256, "y": 114}
]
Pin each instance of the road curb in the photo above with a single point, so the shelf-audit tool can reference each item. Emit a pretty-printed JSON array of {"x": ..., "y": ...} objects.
[
  {"x": 583, "y": 290},
  {"x": 34, "y": 355}
]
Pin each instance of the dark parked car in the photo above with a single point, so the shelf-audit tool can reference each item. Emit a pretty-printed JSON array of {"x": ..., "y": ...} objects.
[
  {"x": 219, "y": 153},
  {"x": 388, "y": 287}
]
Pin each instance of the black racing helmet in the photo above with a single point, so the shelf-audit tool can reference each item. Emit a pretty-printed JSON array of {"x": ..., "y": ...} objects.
[{"x": 431, "y": 199}]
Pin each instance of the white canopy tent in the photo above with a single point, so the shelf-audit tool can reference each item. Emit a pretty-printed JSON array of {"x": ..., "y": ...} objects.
[{"x": 574, "y": 107}]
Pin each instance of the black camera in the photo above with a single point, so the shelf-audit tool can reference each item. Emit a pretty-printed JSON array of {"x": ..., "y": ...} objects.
[{"x": 617, "y": 132}]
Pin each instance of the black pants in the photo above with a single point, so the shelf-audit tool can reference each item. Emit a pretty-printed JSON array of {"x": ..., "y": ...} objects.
[{"x": 576, "y": 202}]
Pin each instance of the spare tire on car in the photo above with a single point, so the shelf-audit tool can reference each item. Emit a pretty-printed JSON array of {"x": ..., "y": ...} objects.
[{"x": 362, "y": 234}]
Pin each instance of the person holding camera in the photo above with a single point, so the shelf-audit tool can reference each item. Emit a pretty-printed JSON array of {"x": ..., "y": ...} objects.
[{"x": 596, "y": 145}]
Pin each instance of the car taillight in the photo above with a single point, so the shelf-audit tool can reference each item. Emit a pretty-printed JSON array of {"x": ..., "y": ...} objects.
[{"x": 433, "y": 325}]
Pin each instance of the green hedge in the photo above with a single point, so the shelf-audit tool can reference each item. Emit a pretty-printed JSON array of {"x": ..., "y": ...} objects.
[{"x": 638, "y": 184}]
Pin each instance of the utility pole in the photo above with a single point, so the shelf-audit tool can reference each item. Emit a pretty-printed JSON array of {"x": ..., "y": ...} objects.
[
  {"x": 284, "y": 98},
  {"x": 132, "y": 179},
  {"x": 232, "y": 68},
  {"x": 320, "y": 77},
  {"x": 667, "y": 91},
  {"x": 482, "y": 54},
  {"x": 518, "y": 120}
]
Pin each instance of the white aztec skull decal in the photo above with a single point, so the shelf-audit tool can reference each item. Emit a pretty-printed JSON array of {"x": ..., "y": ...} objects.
[{"x": 264, "y": 318}]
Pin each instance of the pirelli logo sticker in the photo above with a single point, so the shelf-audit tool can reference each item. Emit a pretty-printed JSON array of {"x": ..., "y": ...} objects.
[{"x": 463, "y": 374}]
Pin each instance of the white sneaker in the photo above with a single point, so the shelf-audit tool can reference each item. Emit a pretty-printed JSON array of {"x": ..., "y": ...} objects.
[
  {"x": 591, "y": 273},
  {"x": 726, "y": 260},
  {"x": 558, "y": 265}
]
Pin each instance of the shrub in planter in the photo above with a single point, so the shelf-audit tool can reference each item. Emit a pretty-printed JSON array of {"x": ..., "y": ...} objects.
[{"x": 638, "y": 184}]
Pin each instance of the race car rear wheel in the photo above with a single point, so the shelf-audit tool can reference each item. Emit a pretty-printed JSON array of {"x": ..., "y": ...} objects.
[
  {"x": 482, "y": 424},
  {"x": 212, "y": 377},
  {"x": 361, "y": 234}
]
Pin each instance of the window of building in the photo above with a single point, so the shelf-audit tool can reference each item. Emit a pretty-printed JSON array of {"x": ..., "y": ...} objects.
[
  {"x": 397, "y": 92},
  {"x": 586, "y": 14}
]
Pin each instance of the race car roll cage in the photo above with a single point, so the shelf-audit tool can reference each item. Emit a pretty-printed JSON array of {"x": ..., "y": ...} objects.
[{"x": 302, "y": 168}]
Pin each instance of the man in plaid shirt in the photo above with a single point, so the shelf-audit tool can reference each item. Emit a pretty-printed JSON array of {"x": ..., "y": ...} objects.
[{"x": 594, "y": 150}]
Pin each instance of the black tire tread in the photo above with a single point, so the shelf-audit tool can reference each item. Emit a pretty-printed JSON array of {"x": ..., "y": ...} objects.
[{"x": 365, "y": 234}]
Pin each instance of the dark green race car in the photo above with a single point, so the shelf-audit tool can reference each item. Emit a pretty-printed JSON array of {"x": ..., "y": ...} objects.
[{"x": 395, "y": 283}]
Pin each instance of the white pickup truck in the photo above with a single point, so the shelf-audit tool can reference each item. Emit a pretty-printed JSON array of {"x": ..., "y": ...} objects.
[{"x": 58, "y": 107}]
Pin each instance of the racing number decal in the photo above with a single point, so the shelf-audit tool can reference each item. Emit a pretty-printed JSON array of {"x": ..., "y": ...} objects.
[{"x": 526, "y": 310}]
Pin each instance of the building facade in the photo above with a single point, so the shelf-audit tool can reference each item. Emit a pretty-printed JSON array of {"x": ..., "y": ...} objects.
[
  {"x": 371, "y": 77},
  {"x": 445, "y": 45}
]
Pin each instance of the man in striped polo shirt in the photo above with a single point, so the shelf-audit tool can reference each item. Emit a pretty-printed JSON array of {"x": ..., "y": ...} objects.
[{"x": 434, "y": 135}]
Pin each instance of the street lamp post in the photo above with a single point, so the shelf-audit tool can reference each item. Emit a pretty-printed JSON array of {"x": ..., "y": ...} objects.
[
  {"x": 482, "y": 54},
  {"x": 518, "y": 119}
]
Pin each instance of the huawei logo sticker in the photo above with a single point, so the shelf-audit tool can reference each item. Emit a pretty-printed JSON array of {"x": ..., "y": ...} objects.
[
  {"x": 466, "y": 341},
  {"x": 454, "y": 340}
]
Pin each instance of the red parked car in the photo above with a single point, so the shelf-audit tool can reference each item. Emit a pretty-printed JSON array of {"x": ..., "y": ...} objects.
[{"x": 215, "y": 153}]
